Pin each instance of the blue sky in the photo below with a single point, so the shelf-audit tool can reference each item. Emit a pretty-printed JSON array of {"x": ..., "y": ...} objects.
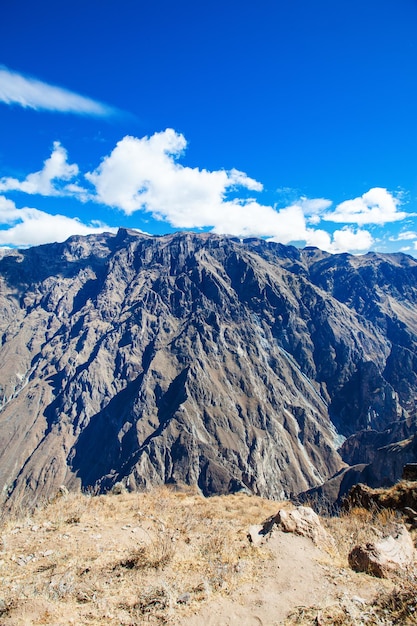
[{"x": 293, "y": 120}]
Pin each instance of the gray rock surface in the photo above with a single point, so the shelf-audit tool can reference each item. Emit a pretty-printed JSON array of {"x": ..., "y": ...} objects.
[{"x": 199, "y": 359}]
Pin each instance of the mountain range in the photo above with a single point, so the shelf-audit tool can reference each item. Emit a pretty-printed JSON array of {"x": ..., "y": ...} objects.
[{"x": 202, "y": 359}]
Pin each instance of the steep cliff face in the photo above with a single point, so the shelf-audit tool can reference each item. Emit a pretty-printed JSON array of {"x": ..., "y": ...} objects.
[{"x": 196, "y": 358}]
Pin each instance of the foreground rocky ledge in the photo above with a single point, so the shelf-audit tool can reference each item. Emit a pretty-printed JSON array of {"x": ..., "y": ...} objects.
[{"x": 176, "y": 557}]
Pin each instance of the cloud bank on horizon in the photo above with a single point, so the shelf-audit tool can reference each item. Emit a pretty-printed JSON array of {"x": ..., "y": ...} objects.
[{"x": 144, "y": 174}]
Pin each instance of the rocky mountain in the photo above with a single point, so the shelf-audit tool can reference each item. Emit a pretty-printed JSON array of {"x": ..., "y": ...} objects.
[{"x": 202, "y": 359}]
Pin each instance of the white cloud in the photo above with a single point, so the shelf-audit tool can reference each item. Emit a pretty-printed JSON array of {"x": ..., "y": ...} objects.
[
  {"x": 31, "y": 93},
  {"x": 348, "y": 240},
  {"x": 240, "y": 179},
  {"x": 376, "y": 206},
  {"x": 48, "y": 181},
  {"x": 404, "y": 236},
  {"x": 314, "y": 206},
  {"x": 28, "y": 226},
  {"x": 143, "y": 174},
  {"x": 344, "y": 240},
  {"x": 255, "y": 220}
]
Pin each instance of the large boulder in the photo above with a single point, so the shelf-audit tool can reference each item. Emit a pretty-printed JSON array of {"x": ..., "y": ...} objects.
[
  {"x": 393, "y": 552},
  {"x": 304, "y": 521},
  {"x": 301, "y": 520}
]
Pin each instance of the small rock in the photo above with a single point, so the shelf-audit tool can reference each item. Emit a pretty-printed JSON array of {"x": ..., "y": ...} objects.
[
  {"x": 47, "y": 553},
  {"x": 256, "y": 534},
  {"x": 358, "y": 600},
  {"x": 82, "y": 597},
  {"x": 118, "y": 488},
  {"x": 24, "y": 559},
  {"x": 410, "y": 514},
  {"x": 184, "y": 598}
]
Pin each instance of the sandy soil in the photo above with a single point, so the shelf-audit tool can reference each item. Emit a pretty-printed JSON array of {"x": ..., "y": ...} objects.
[{"x": 298, "y": 574}]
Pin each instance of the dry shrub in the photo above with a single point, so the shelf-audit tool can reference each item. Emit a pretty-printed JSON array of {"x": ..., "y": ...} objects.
[
  {"x": 128, "y": 559},
  {"x": 153, "y": 556},
  {"x": 155, "y": 600},
  {"x": 360, "y": 525},
  {"x": 334, "y": 615},
  {"x": 402, "y": 494},
  {"x": 396, "y": 608},
  {"x": 399, "y": 606},
  {"x": 153, "y": 604}
]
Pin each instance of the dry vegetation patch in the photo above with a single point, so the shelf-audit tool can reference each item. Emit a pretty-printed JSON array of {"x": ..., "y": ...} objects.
[
  {"x": 359, "y": 526},
  {"x": 126, "y": 558},
  {"x": 395, "y": 606},
  {"x": 401, "y": 495},
  {"x": 158, "y": 557}
]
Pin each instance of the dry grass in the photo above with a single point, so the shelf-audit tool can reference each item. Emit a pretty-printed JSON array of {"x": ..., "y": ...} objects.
[
  {"x": 359, "y": 526},
  {"x": 397, "y": 608},
  {"x": 126, "y": 559},
  {"x": 129, "y": 559},
  {"x": 402, "y": 494},
  {"x": 394, "y": 607}
]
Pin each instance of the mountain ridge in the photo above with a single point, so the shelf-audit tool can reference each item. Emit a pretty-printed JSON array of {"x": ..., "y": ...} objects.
[{"x": 197, "y": 358}]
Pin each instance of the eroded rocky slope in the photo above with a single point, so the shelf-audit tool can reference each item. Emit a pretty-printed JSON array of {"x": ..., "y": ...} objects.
[{"x": 200, "y": 359}]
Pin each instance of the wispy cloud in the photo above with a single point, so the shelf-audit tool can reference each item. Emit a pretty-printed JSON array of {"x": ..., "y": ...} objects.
[
  {"x": 404, "y": 236},
  {"x": 29, "y": 92}
]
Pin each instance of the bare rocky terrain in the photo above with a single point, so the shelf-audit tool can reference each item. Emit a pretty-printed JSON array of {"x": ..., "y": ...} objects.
[{"x": 193, "y": 358}]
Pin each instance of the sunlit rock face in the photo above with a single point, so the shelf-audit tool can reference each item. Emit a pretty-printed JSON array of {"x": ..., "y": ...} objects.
[{"x": 200, "y": 359}]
